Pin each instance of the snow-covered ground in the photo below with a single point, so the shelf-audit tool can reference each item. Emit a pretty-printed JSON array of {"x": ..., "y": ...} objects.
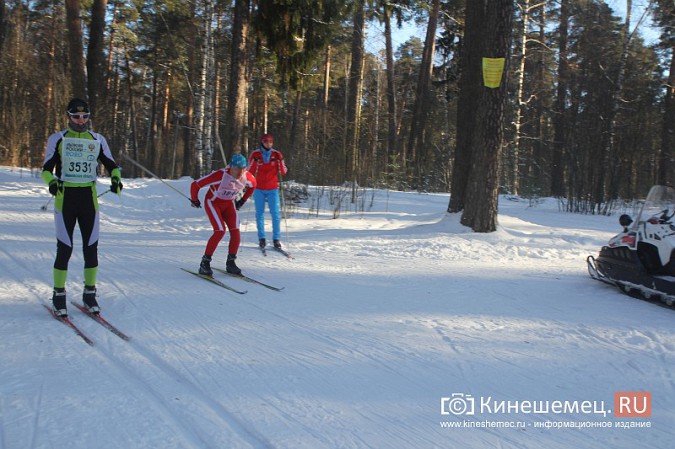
[{"x": 387, "y": 318}]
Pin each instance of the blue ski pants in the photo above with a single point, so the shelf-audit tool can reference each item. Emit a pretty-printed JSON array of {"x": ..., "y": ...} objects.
[{"x": 272, "y": 198}]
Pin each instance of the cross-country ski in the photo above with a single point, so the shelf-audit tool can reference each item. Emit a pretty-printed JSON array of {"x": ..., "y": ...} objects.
[
  {"x": 66, "y": 320},
  {"x": 248, "y": 279},
  {"x": 102, "y": 321},
  {"x": 215, "y": 281},
  {"x": 284, "y": 252}
]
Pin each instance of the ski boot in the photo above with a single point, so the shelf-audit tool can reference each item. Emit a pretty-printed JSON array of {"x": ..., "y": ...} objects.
[
  {"x": 262, "y": 243},
  {"x": 277, "y": 244},
  {"x": 205, "y": 266},
  {"x": 89, "y": 300},
  {"x": 59, "y": 303},
  {"x": 230, "y": 266}
]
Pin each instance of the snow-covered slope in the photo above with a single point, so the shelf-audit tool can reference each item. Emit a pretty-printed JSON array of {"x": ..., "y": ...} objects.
[{"x": 387, "y": 318}]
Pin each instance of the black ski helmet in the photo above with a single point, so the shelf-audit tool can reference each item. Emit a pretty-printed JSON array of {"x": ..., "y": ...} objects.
[
  {"x": 77, "y": 105},
  {"x": 625, "y": 220}
]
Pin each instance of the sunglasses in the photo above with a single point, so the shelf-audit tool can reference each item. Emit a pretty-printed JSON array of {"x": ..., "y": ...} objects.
[{"x": 79, "y": 116}]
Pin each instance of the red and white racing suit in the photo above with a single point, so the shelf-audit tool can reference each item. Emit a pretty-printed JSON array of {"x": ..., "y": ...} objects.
[{"x": 219, "y": 204}]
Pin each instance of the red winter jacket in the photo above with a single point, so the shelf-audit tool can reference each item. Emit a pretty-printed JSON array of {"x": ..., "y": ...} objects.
[
  {"x": 266, "y": 174},
  {"x": 222, "y": 186}
]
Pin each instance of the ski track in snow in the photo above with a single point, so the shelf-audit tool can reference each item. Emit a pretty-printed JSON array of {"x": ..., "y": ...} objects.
[
  {"x": 182, "y": 407},
  {"x": 384, "y": 313}
]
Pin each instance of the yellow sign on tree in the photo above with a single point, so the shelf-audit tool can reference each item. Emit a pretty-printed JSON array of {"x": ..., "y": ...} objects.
[{"x": 493, "y": 69}]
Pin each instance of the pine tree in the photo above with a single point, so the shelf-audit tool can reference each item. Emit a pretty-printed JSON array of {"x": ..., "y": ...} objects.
[
  {"x": 76, "y": 54},
  {"x": 664, "y": 12},
  {"x": 480, "y": 212}
]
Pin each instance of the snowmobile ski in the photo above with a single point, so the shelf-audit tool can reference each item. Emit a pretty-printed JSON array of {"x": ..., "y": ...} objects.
[
  {"x": 67, "y": 322},
  {"x": 595, "y": 273},
  {"x": 637, "y": 287},
  {"x": 102, "y": 321},
  {"x": 243, "y": 277},
  {"x": 215, "y": 281}
]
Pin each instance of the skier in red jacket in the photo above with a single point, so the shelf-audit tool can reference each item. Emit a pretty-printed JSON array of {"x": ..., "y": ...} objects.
[
  {"x": 222, "y": 208},
  {"x": 267, "y": 165}
]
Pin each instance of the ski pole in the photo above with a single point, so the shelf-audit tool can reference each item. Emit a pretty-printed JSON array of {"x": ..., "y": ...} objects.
[
  {"x": 284, "y": 210},
  {"x": 47, "y": 203},
  {"x": 155, "y": 176},
  {"x": 44, "y": 207}
]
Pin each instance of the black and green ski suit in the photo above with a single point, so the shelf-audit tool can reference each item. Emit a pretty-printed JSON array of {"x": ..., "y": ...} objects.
[{"x": 71, "y": 161}]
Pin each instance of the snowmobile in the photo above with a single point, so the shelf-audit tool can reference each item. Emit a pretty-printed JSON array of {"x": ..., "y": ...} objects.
[{"x": 640, "y": 261}]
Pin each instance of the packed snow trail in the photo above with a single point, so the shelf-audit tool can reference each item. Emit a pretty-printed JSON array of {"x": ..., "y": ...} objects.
[{"x": 384, "y": 313}]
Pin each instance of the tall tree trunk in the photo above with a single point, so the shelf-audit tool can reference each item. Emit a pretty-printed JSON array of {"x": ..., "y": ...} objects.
[
  {"x": 203, "y": 92},
  {"x": 111, "y": 47},
  {"x": 132, "y": 112},
  {"x": 265, "y": 115},
  {"x": 608, "y": 179},
  {"x": 218, "y": 83},
  {"x": 189, "y": 168},
  {"x": 354, "y": 94},
  {"x": 113, "y": 95},
  {"x": 520, "y": 102},
  {"x": 416, "y": 150},
  {"x": 667, "y": 154},
  {"x": 559, "y": 116},
  {"x": 54, "y": 33},
  {"x": 376, "y": 127},
  {"x": 219, "y": 87},
  {"x": 76, "y": 49},
  {"x": 324, "y": 105},
  {"x": 3, "y": 27},
  {"x": 345, "y": 134},
  {"x": 539, "y": 154},
  {"x": 483, "y": 187},
  {"x": 469, "y": 90},
  {"x": 295, "y": 120},
  {"x": 392, "y": 136},
  {"x": 151, "y": 153},
  {"x": 306, "y": 134},
  {"x": 209, "y": 67},
  {"x": 235, "y": 118},
  {"x": 200, "y": 100},
  {"x": 165, "y": 125},
  {"x": 95, "y": 56}
]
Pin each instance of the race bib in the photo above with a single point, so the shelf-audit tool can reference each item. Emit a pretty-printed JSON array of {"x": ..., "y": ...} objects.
[
  {"x": 229, "y": 187},
  {"x": 79, "y": 160}
]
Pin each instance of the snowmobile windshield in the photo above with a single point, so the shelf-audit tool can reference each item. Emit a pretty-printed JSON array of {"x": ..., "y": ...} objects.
[{"x": 659, "y": 205}]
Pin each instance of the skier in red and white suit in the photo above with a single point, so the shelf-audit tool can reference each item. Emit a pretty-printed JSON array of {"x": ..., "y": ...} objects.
[{"x": 222, "y": 208}]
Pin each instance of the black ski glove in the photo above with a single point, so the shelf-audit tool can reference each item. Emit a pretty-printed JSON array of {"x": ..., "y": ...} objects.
[
  {"x": 55, "y": 186},
  {"x": 238, "y": 203},
  {"x": 196, "y": 203},
  {"x": 116, "y": 185}
]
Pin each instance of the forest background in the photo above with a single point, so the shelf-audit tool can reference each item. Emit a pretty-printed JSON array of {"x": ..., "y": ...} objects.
[{"x": 585, "y": 111}]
